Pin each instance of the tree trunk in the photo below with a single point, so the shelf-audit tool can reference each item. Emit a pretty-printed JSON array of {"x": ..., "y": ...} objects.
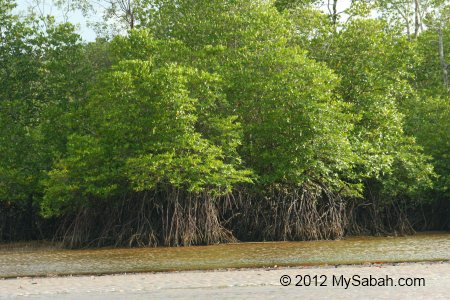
[
  {"x": 417, "y": 18},
  {"x": 444, "y": 65},
  {"x": 334, "y": 12},
  {"x": 131, "y": 14}
]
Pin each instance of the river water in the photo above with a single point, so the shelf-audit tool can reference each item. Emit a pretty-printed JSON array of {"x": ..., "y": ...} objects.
[{"x": 19, "y": 260}]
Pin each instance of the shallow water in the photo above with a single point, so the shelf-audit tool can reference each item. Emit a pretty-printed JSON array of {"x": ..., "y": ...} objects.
[{"x": 17, "y": 261}]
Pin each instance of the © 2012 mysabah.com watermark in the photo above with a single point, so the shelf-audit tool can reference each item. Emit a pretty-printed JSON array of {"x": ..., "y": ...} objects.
[{"x": 350, "y": 281}]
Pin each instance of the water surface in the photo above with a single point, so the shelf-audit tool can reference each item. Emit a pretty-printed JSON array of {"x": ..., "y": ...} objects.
[{"x": 45, "y": 261}]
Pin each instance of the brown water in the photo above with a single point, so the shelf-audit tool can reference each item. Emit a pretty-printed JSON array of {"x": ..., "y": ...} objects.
[{"x": 29, "y": 261}]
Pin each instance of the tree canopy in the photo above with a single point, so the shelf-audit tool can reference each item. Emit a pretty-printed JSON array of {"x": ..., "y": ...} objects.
[{"x": 202, "y": 121}]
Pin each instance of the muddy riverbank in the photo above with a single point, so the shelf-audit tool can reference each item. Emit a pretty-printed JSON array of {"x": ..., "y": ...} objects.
[
  {"x": 47, "y": 261},
  {"x": 239, "y": 284}
]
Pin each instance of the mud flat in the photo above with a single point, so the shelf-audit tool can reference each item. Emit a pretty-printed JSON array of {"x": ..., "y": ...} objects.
[
  {"x": 44, "y": 261},
  {"x": 243, "y": 284}
]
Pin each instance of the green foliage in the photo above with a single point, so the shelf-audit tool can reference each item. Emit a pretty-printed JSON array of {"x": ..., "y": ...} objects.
[
  {"x": 294, "y": 128},
  {"x": 40, "y": 75},
  {"x": 148, "y": 127},
  {"x": 291, "y": 4},
  {"x": 427, "y": 69},
  {"x": 374, "y": 65},
  {"x": 207, "y": 96}
]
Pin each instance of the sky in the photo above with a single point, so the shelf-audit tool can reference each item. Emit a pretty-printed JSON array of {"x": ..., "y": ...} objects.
[
  {"x": 88, "y": 34},
  {"x": 48, "y": 8}
]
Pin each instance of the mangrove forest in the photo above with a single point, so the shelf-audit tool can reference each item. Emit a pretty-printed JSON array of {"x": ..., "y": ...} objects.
[{"x": 195, "y": 122}]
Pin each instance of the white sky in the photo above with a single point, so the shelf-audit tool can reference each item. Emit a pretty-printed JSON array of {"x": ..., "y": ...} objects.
[{"x": 47, "y": 8}]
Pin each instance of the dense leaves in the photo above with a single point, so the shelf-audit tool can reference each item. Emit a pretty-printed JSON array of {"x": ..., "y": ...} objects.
[{"x": 227, "y": 113}]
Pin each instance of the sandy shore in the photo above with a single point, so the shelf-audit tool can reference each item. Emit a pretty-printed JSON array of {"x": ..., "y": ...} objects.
[{"x": 240, "y": 284}]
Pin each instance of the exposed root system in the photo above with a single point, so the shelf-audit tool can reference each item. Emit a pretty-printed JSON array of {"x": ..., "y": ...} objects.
[
  {"x": 305, "y": 213},
  {"x": 172, "y": 217},
  {"x": 182, "y": 219}
]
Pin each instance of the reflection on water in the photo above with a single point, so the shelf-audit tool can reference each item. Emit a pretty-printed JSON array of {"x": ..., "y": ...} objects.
[{"x": 48, "y": 261}]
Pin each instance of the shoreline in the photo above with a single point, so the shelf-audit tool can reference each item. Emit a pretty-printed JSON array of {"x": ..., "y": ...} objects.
[
  {"x": 32, "y": 245},
  {"x": 268, "y": 268},
  {"x": 312, "y": 254},
  {"x": 238, "y": 284}
]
